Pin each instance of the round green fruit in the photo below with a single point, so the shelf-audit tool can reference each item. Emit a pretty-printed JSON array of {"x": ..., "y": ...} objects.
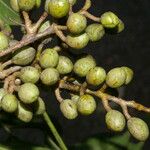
[
  {"x": 46, "y": 5},
  {"x": 26, "y": 5},
  {"x": 28, "y": 93},
  {"x": 75, "y": 98},
  {"x": 86, "y": 104},
  {"x": 49, "y": 76},
  {"x": 115, "y": 120},
  {"x": 2, "y": 94},
  {"x": 37, "y": 3},
  {"x": 44, "y": 26},
  {"x": 14, "y": 4},
  {"x": 69, "y": 109},
  {"x": 4, "y": 42},
  {"x": 120, "y": 26}
]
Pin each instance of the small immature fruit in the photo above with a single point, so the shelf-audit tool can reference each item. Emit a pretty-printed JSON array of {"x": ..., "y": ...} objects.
[
  {"x": 109, "y": 20},
  {"x": 9, "y": 103},
  {"x": 86, "y": 104},
  {"x": 49, "y": 76},
  {"x": 24, "y": 56},
  {"x": 120, "y": 26},
  {"x": 76, "y": 23},
  {"x": 26, "y": 5},
  {"x": 116, "y": 77},
  {"x": 95, "y": 32},
  {"x": 29, "y": 74},
  {"x": 138, "y": 128},
  {"x": 14, "y": 4},
  {"x": 4, "y": 42},
  {"x": 46, "y": 5},
  {"x": 96, "y": 76},
  {"x": 49, "y": 58},
  {"x": 28, "y": 93},
  {"x": 37, "y": 3},
  {"x": 65, "y": 65},
  {"x": 44, "y": 26},
  {"x": 24, "y": 113},
  {"x": 2, "y": 94},
  {"x": 69, "y": 109},
  {"x": 77, "y": 41},
  {"x": 83, "y": 65},
  {"x": 129, "y": 74},
  {"x": 115, "y": 120},
  {"x": 58, "y": 8},
  {"x": 75, "y": 98}
]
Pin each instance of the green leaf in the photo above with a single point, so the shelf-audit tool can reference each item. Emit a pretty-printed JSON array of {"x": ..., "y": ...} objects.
[{"x": 7, "y": 14}]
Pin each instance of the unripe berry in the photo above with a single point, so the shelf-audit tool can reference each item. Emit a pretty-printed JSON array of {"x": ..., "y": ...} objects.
[
  {"x": 65, "y": 65},
  {"x": 58, "y": 8},
  {"x": 26, "y": 5},
  {"x": 115, "y": 120},
  {"x": 39, "y": 106},
  {"x": 129, "y": 74},
  {"x": 9, "y": 103},
  {"x": 120, "y": 26},
  {"x": 116, "y": 77},
  {"x": 77, "y": 41},
  {"x": 76, "y": 23},
  {"x": 49, "y": 76},
  {"x": 95, "y": 32},
  {"x": 24, "y": 56},
  {"x": 4, "y": 42},
  {"x": 86, "y": 104},
  {"x": 72, "y": 2},
  {"x": 49, "y": 58},
  {"x": 109, "y": 20},
  {"x": 69, "y": 109},
  {"x": 24, "y": 113},
  {"x": 28, "y": 93},
  {"x": 96, "y": 76},
  {"x": 44, "y": 26},
  {"x": 83, "y": 65},
  {"x": 29, "y": 74},
  {"x": 37, "y": 3},
  {"x": 2, "y": 94},
  {"x": 14, "y": 4},
  {"x": 46, "y": 5},
  {"x": 75, "y": 98}
]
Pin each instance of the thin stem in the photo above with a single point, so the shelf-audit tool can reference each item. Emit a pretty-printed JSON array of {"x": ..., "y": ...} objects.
[{"x": 54, "y": 131}]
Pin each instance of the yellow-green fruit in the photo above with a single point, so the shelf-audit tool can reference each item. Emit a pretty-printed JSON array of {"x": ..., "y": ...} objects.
[
  {"x": 138, "y": 128},
  {"x": 49, "y": 76},
  {"x": 69, "y": 109},
  {"x": 115, "y": 120},
  {"x": 2, "y": 94},
  {"x": 46, "y": 5},
  {"x": 129, "y": 74},
  {"x": 29, "y": 74},
  {"x": 44, "y": 26},
  {"x": 24, "y": 56},
  {"x": 120, "y": 26},
  {"x": 95, "y": 32},
  {"x": 75, "y": 98},
  {"x": 83, "y": 65},
  {"x": 49, "y": 58},
  {"x": 37, "y": 3},
  {"x": 116, "y": 77},
  {"x": 86, "y": 104},
  {"x": 4, "y": 42},
  {"x": 72, "y": 2},
  {"x": 24, "y": 113},
  {"x": 77, "y": 41},
  {"x": 28, "y": 93},
  {"x": 96, "y": 76},
  {"x": 9, "y": 103},
  {"x": 65, "y": 65},
  {"x": 26, "y": 5},
  {"x": 14, "y": 5},
  {"x": 58, "y": 8},
  {"x": 76, "y": 23},
  {"x": 109, "y": 20}
]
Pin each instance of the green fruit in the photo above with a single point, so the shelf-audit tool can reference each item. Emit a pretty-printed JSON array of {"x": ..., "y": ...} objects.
[
  {"x": 37, "y": 3},
  {"x": 26, "y": 5},
  {"x": 109, "y": 20},
  {"x": 96, "y": 76},
  {"x": 75, "y": 98},
  {"x": 72, "y": 2},
  {"x": 76, "y": 23},
  {"x": 120, "y": 26},
  {"x": 28, "y": 93},
  {"x": 14, "y": 5},
  {"x": 129, "y": 74},
  {"x": 49, "y": 76},
  {"x": 95, "y": 32},
  {"x": 86, "y": 104},
  {"x": 24, "y": 113},
  {"x": 46, "y": 5},
  {"x": 44, "y": 26},
  {"x": 9, "y": 103},
  {"x": 4, "y": 42},
  {"x": 138, "y": 128},
  {"x": 77, "y": 41},
  {"x": 65, "y": 65},
  {"x": 83, "y": 65},
  {"x": 2, "y": 94},
  {"x": 24, "y": 56},
  {"x": 39, "y": 106},
  {"x": 58, "y": 8},
  {"x": 116, "y": 77},
  {"x": 49, "y": 58},
  {"x": 69, "y": 109},
  {"x": 115, "y": 120},
  {"x": 29, "y": 74}
]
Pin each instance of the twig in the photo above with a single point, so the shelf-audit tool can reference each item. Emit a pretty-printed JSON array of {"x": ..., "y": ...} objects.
[
  {"x": 86, "y": 6},
  {"x": 58, "y": 95}
]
